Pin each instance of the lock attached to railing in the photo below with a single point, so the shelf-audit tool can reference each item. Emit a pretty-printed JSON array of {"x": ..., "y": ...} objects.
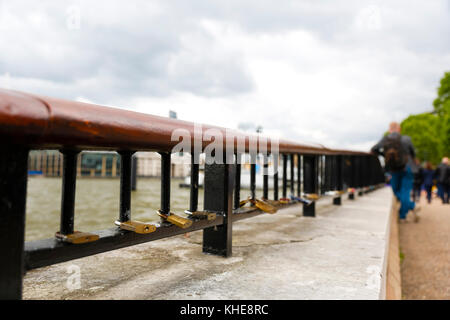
[
  {"x": 201, "y": 215},
  {"x": 284, "y": 200},
  {"x": 264, "y": 206},
  {"x": 302, "y": 200},
  {"x": 136, "y": 226},
  {"x": 312, "y": 196},
  {"x": 260, "y": 204},
  {"x": 77, "y": 237},
  {"x": 176, "y": 220}
]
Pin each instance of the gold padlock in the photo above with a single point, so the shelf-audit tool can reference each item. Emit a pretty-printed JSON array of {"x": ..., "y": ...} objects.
[
  {"x": 264, "y": 206},
  {"x": 244, "y": 202},
  {"x": 312, "y": 196},
  {"x": 201, "y": 215},
  {"x": 77, "y": 237},
  {"x": 284, "y": 200},
  {"x": 176, "y": 220},
  {"x": 136, "y": 226}
]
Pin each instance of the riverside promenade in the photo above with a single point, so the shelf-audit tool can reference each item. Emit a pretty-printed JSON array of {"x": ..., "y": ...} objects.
[
  {"x": 425, "y": 247},
  {"x": 339, "y": 254}
]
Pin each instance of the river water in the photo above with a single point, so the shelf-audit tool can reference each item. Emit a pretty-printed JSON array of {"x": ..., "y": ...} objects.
[{"x": 97, "y": 203}]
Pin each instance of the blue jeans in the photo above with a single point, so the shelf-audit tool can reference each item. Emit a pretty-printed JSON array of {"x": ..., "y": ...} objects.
[
  {"x": 444, "y": 192},
  {"x": 402, "y": 183}
]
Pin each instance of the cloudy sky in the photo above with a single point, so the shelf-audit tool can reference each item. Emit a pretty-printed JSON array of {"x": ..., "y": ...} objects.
[{"x": 333, "y": 72}]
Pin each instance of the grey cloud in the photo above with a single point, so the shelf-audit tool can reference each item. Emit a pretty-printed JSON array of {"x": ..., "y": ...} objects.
[{"x": 129, "y": 55}]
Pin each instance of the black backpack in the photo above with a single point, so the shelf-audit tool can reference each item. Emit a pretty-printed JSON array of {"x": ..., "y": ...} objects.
[{"x": 395, "y": 155}]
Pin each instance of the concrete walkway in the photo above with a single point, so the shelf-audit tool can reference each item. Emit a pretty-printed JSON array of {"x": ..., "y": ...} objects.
[
  {"x": 340, "y": 254},
  {"x": 426, "y": 249}
]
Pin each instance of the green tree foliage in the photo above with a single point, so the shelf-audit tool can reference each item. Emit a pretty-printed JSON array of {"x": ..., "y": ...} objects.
[
  {"x": 442, "y": 102},
  {"x": 424, "y": 132},
  {"x": 430, "y": 132},
  {"x": 442, "y": 107}
]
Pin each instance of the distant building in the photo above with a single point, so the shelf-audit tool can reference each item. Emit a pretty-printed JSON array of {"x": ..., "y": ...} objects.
[{"x": 104, "y": 164}]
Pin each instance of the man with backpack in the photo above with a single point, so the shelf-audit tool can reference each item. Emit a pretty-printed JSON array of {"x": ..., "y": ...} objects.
[{"x": 399, "y": 155}]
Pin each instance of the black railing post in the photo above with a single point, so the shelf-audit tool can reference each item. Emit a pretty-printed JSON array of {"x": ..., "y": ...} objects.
[
  {"x": 352, "y": 177},
  {"x": 218, "y": 197},
  {"x": 359, "y": 175},
  {"x": 253, "y": 176},
  {"x": 310, "y": 182},
  {"x": 276, "y": 158},
  {"x": 134, "y": 166},
  {"x": 68, "y": 191},
  {"x": 366, "y": 173},
  {"x": 125, "y": 186},
  {"x": 299, "y": 166},
  {"x": 265, "y": 177},
  {"x": 339, "y": 183},
  {"x": 237, "y": 182},
  {"x": 285, "y": 175},
  {"x": 322, "y": 173},
  {"x": 13, "y": 191},
  {"x": 193, "y": 194},
  {"x": 291, "y": 162},
  {"x": 328, "y": 177},
  {"x": 165, "y": 183}
]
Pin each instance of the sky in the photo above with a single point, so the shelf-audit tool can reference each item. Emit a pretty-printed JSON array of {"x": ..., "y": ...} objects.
[{"x": 331, "y": 72}]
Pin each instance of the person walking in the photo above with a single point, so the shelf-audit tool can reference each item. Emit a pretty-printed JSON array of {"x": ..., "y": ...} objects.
[
  {"x": 399, "y": 155},
  {"x": 418, "y": 180},
  {"x": 442, "y": 178},
  {"x": 428, "y": 176}
]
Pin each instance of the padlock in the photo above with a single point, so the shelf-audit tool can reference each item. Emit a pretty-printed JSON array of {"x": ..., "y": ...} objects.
[
  {"x": 302, "y": 200},
  {"x": 284, "y": 200},
  {"x": 244, "y": 202},
  {"x": 312, "y": 196},
  {"x": 176, "y": 220},
  {"x": 136, "y": 226},
  {"x": 201, "y": 215},
  {"x": 77, "y": 237},
  {"x": 264, "y": 206}
]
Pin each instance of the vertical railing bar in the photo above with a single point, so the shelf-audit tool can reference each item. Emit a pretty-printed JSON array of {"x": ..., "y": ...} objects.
[
  {"x": 237, "y": 181},
  {"x": 253, "y": 175},
  {"x": 291, "y": 161},
  {"x": 193, "y": 194},
  {"x": 218, "y": 196},
  {"x": 310, "y": 181},
  {"x": 133, "y": 171},
  {"x": 125, "y": 185},
  {"x": 68, "y": 191},
  {"x": 276, "y": 159},
  {"x": 13, "y": 192},
  {"x": 299, "y": 184},
  {"x": 265, "y": 177},
  {"x": 285, "y": 175},
  {"x": 165, "y": 183}
]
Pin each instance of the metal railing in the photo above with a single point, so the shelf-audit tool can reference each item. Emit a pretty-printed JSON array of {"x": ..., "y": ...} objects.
[{"x": 32, "y": 122}]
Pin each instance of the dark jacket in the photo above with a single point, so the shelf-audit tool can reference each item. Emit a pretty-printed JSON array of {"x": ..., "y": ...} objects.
[
  {"x": 428, "y": 176},
  {"x": 442, "y": 173},
  {"x": 418, "y": 176},
  {"x": 406, "y": 143}
]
